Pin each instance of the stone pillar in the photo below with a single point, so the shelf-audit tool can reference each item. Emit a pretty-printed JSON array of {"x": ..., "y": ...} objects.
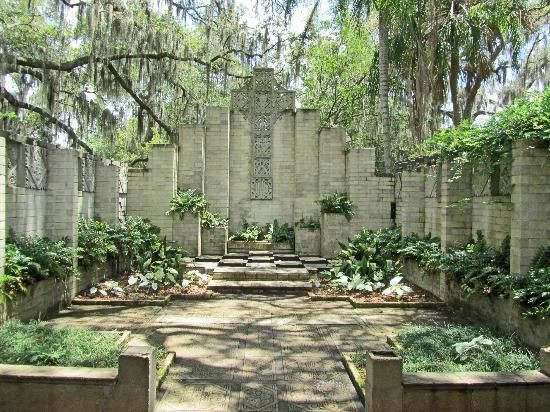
[
  {"x": 62, "y": 195},
  {"x": 107, "y": 192},
  {"x": 412, "y": 202},
  {"x": 2, "y": 203},
  {"x": 456, "y": 206},
  {"x": 216, "y": 153},
  {"x": 334, "y": 228},
  {"x": 136, "y": 383},
  {"x": 544, "y": 357},
  {"x": 531, "y": 202},
  {"x": 307, "y": 242},
  {"x": 383, "y": 383},
  {"x": 306, "y": 141},
  {"x": 332, "y": 161}
]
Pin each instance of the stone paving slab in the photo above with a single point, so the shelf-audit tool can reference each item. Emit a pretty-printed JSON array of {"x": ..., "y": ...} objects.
[{"x": 254, "y": 352}]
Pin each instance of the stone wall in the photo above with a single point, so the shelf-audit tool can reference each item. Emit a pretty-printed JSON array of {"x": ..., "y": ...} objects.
[
  {"x": 2, "y": 203},
  {"x": 131, "y": 387}
]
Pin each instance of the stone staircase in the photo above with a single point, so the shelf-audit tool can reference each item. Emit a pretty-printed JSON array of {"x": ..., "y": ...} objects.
[{"x": 261, "y": 272}]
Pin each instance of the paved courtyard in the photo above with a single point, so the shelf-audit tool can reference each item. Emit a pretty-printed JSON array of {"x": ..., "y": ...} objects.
[{"x": 254, "y": 352}]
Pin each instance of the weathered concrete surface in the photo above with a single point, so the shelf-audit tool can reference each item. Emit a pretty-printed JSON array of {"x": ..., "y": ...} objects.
[{"x": 254, "y": 352}]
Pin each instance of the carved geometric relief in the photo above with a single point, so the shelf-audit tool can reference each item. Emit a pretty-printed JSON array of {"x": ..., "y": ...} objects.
[
  {"x": 262, "y": 145},
  {"x": 87, "y": 174},
  {"x": 36, "y": 167},
  {"x": 262, "y": 102},
  {"x": 262, "y": 167},
  {"x": 13, "y": 163},
  {"x": 261, "y": 188}
]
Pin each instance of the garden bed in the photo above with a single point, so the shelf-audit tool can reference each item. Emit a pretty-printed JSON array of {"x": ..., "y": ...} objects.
[
  {"x": 418, "y": 297},
  {"x": 127, "y": 291}
]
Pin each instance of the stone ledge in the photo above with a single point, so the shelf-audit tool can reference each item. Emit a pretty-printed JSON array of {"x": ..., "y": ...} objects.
[{"x": 57, "y": 374}]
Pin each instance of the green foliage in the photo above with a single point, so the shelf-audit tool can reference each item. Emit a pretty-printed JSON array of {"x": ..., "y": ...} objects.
[
  {"x": 35, "y": 258},
  {"x": 491, "y": 144},
  {"x": 455, "y": 348},
  {"x": 41, "y": 344},
  {"x": 310, "y": 223},
  {"x": 95, "y": 242},
  {"x": 135, "y": 239},
  {"x": 211, "y": 220},
  {"x": 367, "y": 263},
  {"x": 338, "y": 203},
  {"x": 16, "y": 273},
  {"x": 541, "y": 259},
  {"x": 252, "y": 232},
  {"x": 477, "y": 265},
  {"x": 187, "y": 201},
  {"x": 425, "y": 250},
  {"x": 533, "y": 291},
  {"x": 282, "y": 233}
]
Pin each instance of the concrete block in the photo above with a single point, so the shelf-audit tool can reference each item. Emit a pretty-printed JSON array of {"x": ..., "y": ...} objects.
[{"x": 383, "y": 383}]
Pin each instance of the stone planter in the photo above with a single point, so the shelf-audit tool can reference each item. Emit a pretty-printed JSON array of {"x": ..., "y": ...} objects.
[
  {"x": 283, "y": 247},
  {"x": 334, "y": 228},
  {"x": 242, "y": 246},
  {"x": 308, "y": 242},
  {"x": 213, "y": 241}
]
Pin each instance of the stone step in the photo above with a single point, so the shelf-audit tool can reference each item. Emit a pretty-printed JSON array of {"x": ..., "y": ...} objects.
[
  {"x": 260, "y": 273},
  {"x": 262, "y": 286},
  {"x": 313, "y": 260},
  {"x": 233, "y": 262},
  {"x": 286, "y": 256},
  {"x": 235, "y": 255},
  {"x": 207, "y": 258},
  {"x": 288, "y": 264},
  {"x": 258, "y": 253},
  {"x": 260, "y": 259}
]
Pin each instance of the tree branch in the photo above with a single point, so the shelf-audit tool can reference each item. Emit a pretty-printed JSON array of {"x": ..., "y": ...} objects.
[
  {"x": 138, "y": 100},
  {"x": 53, "y": 120}
]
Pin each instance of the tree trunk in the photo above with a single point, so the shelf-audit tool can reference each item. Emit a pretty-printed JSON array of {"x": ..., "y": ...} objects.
[{"x": 383, "y": 66}]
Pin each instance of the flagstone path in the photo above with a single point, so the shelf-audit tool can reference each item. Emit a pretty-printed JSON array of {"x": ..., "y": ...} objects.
[{"x": 254, "y": 352}]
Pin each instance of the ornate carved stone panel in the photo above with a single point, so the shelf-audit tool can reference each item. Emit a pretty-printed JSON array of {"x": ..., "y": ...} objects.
[
  {"x": 36, "y": 167},
  {"x": 14, "y": 162},
  {"x": 87, "y": 174},
  {"x": 262, "y": 101}
]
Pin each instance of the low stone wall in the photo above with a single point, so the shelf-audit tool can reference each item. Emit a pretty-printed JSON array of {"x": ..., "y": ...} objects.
[
  {"x": 505, "y": 313},
  {"x": 213, "y": 241},
  {"x": 308, "y": 242},
  {"x": 48, "y": 388},
  {"x": 242, "y": 246},
  {"x": 388, "y": 389},
  {"x": 45, "y": 298}
]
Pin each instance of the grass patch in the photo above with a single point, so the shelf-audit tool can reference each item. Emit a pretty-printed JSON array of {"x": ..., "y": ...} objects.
[
  {"x": 479, "y": 349},
  {"x": 40, "y": 344}
]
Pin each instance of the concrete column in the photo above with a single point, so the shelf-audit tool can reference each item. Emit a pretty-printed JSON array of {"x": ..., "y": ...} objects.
[
  {"x": 332, "y": 161},
  {"x": 412, "y": 202},
  {"x": 306, "y": 141},
  {"x": 62, "y": 195},
  {"x": 107, "y": 192},
  {"x": 456, "y": 205},
  {"x": 2, "y": 202},
  {"x": 334, "y": 228},
  {"x": 531, "y": 202},
  {"x": 136, "y": 384},
  {"x": 383, "y": 383},
  {"x": 544, "y": 356}
]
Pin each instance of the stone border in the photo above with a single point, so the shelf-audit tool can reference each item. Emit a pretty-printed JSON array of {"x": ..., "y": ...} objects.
[
  {"x": 359, "y": 305},
  {"x": 165, "y": 368},
  {"x": 122, "y": 302},
  {"x": 354, "y": 375}
]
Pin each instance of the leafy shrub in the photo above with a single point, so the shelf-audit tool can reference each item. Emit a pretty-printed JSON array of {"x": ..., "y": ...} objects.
[
  {"x": 252, "y": 232},
  {"x": 187, "y": 201},
  {"x": 45, "y": 258},
  {"x": 312, "y": 224},
  {"x": 425, "y": 250},
  {"x": 38, "y": 343},
  {"x": 95, "y": 242},
  {"x": 533, "y": 291},
  {"x": 476, "y": 266},
  {"x": 211, "y": 220},
  {"x": 338, "y": 203},
  {"x": 282, "y": 233},
  {"x": 135, "y": 239},
  {"x": 541, "y": 259},
  {"x": 454, "y": 348}
]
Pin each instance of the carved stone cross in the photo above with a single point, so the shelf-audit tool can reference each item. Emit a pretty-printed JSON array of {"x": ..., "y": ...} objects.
[{"x": 262, "y": 101}]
